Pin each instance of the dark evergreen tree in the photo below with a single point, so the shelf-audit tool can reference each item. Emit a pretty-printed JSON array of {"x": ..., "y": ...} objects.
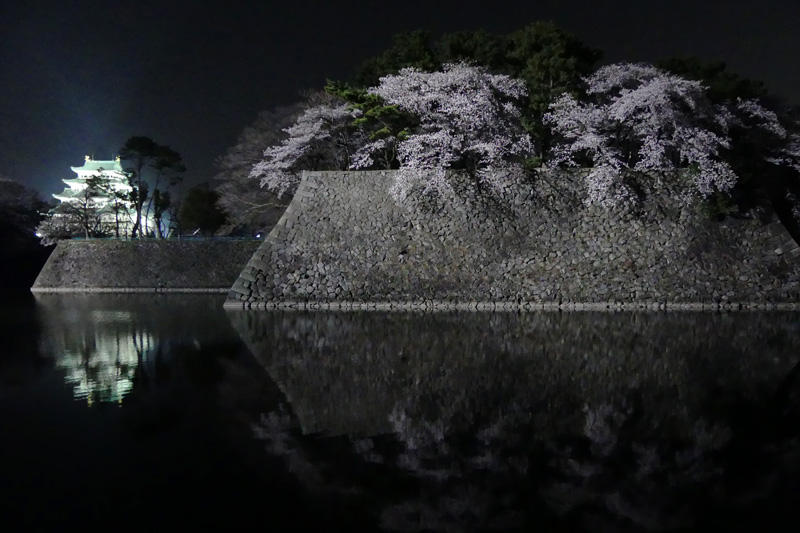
[
  {"x": 21, "y": 255},
  {"x": 149, "y": 166},
  {"x": 200, "y": 213}
]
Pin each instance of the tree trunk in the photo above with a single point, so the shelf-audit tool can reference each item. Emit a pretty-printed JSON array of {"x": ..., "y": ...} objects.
[{"x": 150, "y": 204}]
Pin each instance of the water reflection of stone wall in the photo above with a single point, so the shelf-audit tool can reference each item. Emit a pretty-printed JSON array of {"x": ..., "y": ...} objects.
[
  {"x": 347, "y": 372},
  {"x": 562, "y": 422}
]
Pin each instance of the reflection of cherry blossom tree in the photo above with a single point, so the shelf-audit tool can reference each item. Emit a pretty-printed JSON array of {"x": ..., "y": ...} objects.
[
  {"x": 626, "y": 465},
  {"x": 469, "y": 471},
  {"x": 681, "y": 428},
  {"x": 278, "y": 431}
]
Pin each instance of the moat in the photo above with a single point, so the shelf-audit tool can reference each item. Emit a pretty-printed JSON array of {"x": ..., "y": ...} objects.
[{"x": 166, "y": 410}]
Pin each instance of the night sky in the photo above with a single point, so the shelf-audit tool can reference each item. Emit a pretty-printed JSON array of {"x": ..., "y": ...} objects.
[{"x": 81, "y": 77}]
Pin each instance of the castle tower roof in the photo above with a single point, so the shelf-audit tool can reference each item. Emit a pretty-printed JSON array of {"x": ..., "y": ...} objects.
[{"x": 92, "y": 165}]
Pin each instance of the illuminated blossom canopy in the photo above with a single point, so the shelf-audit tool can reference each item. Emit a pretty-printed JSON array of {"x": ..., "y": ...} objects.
[
  {"x": 637, "y": 121},
  {"x": 636, "y": 128},
  {"x": 468, "y": 119},
  {"x": 321, "y": 138}
]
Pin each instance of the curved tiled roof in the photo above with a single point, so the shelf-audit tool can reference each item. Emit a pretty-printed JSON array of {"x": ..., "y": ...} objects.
[{"x": 95, "y": 165}]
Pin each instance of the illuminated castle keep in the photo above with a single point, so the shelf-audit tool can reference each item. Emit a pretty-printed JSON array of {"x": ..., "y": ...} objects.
[{"x": 112, "y": 204}]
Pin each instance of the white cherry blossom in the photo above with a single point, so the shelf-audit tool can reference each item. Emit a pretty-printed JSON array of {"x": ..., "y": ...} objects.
[{"x": 639, "y": 120}]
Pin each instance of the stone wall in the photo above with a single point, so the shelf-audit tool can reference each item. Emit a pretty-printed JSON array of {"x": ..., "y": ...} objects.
[
  {"x": 147, "y": 265},
  {"x": 344, "y": 241}
]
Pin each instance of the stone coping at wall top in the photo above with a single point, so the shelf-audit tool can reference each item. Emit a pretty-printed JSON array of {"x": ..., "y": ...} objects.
[
  {"x": 215, "y": 290},
  {"x": 166, "y": 241},
  {"x": 440, "y": 305}
]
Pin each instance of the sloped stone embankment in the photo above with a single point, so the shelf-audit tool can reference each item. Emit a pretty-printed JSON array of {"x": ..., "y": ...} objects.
[
  {"x": 143, "y": 266},
  {"x": 344, "y": 242}
]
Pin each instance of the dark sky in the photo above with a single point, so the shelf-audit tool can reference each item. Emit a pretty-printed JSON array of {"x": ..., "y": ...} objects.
[{"x": 81, "y": 77}]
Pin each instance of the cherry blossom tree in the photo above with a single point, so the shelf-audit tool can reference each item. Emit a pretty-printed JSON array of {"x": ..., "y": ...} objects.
[
  {"x": 321, "y": 138},
  {"x": 250, "y": 209},
  {"x": 468, "y": 119},
  {"x": 464, "y": 119},
  {"x": 766, "y": 154},
  {"x": 777, "y": 143},
  {"x": 637, "y": 122}
]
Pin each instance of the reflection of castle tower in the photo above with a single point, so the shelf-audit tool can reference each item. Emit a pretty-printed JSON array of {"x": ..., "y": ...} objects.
[
  {"x": 101, "y": 349},
  {"x": 112, "y": 202},
  {"x": 101, "y": 368}
]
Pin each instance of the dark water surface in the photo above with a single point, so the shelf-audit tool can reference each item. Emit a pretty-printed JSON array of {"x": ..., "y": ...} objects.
[{"x": 144, "y": 411}]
